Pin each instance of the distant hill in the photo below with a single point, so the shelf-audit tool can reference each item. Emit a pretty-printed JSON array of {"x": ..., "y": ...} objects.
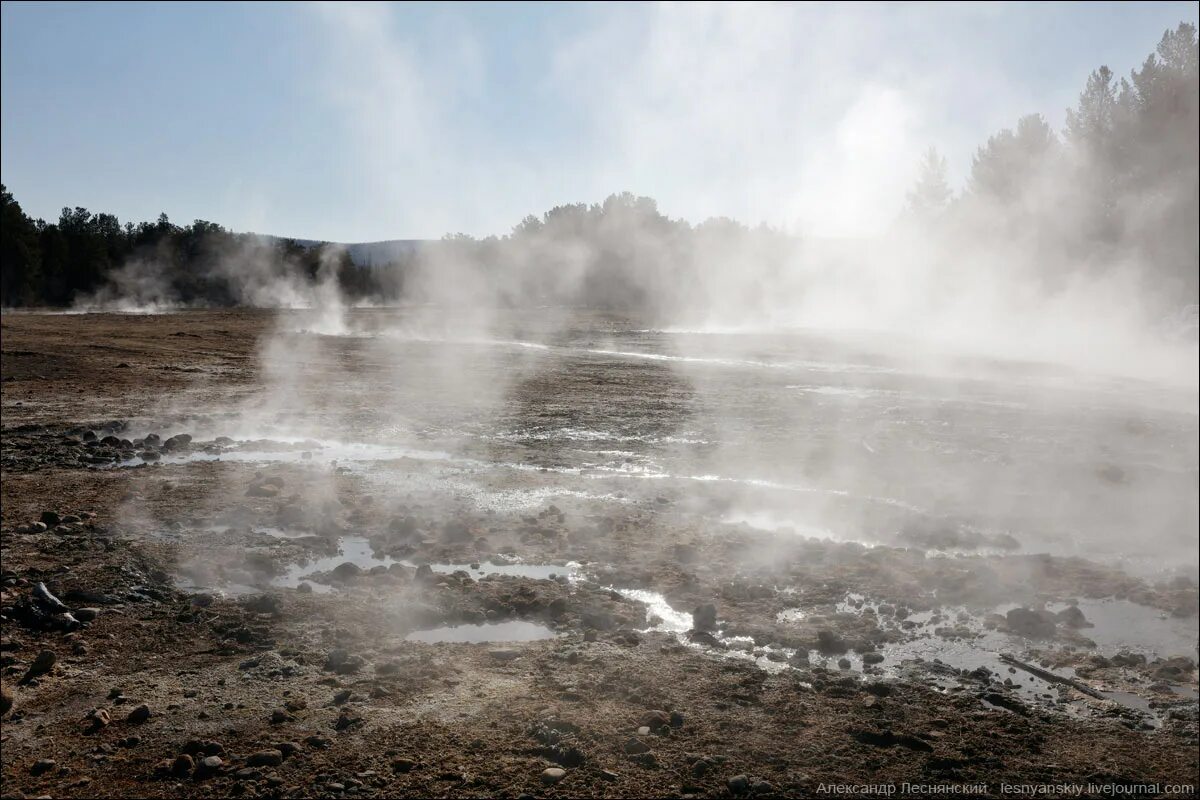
[{"x": 369, "y": 254}]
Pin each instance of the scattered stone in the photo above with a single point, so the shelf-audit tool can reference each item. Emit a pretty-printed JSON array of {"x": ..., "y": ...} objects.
[
  {"x": 1029, "y": 623},
  {"x": 635, "y": 746},
  {"x": 265, "y": 758},
  {"x": 139, "y": 714},
  {"x": 738, "y": 783},
  {"x": 42, "y": 765},
  {"x": 1072, "y": 617},
  {"x": 99, "y": 718},
  {"x": 211, "y": 763},
  {"x": 347, "y": 570},
  {"x": 46, "y": 599},
  {"x": 830, "y": 643},
  {"x": 872, "y": 658},
  {"x": 50, "y": 518},
  {"x": 403, "y": 764},
  {"x": 655, "y": 720},
  {"x": 87, "y": 614},
  {"x": 504, "y": 655},
  {"x": 41, "y": 665},
  {"x": 550, "y": 776},
  {"x": 279, "y": 716},
  {"x": 7, "y": 699},
  {"x": 288, "y": 749},
  {"x": 182, "y": 765}
]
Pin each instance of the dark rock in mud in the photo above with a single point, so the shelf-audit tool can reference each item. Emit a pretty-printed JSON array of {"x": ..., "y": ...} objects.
[
  {"x": 1072, "y": 617},
  {"x": 265, "y": 758},
  {"x": 738, "y": 784},
  {"x": 41, "y": 665},
  {"x": 830, "y": 644},
  {"x": 139, "y": 714},
  {"x": 1029, "y": 623},
  {"x": 347, "y": 570},
  {"x": 656, "y": 719},
  {"x": 42, "y": 765},
  {"x": 46, "y": 599},
  {"x": 403, "y": 764},
  {"x": 262, "y": 604},
  {"x": 50, "y": 518},
  {"x": 704, "y": 618},
  {"x": 177, "y": 442},
  {"x": 872, "y": 658}
]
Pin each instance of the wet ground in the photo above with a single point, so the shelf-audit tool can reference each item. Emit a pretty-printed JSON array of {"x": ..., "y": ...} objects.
[{"x": 821, "y": 558}]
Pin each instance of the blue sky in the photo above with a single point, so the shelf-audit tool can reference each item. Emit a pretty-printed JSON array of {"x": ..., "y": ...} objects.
[{"x": 357, "y": 123}]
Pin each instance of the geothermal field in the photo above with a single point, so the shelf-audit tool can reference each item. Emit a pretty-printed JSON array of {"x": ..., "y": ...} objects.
[
  {"x": 391, "y": 551},
  {"x": 599, "y": 400}
]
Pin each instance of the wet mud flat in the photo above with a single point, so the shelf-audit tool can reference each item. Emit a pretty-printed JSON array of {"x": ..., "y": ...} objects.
[{"x": 325, "y": 615}]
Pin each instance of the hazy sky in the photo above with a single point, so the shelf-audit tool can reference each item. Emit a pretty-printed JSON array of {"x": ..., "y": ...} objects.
[{"x": 356, "y": 123}]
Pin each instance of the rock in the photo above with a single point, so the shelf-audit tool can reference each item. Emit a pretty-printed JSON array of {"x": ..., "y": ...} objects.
[
  {"x": 263, "y": 490},
  {"x": 704, "y": 618},
  {"x": 46, "y": 599},
  {"x": 553, "y": 775},
  {"x": 844, "y": 663},
  {"x": 7, "y": 699},
  {"x": 305, "y": 588},
  {"x": 403, "y": 764},
  {"x": 634, "y": 746},
  {"x": 655, "y": 720},
  {"x": 139, "y": 714},
  {"x": 99, "y": 718},
  {"x": 288, "y": 749},
  {"x": 872, "y": 658},
  {"x": 183, "y": 765},
  {"x": 265, "y": 758},
  {"x": 342, "y": 697},
  {"x": 33, "y": 527},
  {"x": 41, "y": 665},
  {"x": 504, "y": 655},
  {"x": 87, "y": 614},
  {"x": 279, "y": 716},
  {"x": 42, "y": 765},
  {"x": 177, "y": 442},
  {"x": 1029, "y": 623},
  {"x": 211, "y": 763},
  {"x": 830, "y": 643},
  {"x": 262, "y": 604},
  {"x": 319, "y": 742},
  {"x": 738, "y": 783},
  {"x": 676, "y": 719},
  {"x": 50, "y": 518},
  {"x": 347, "y": 570},
  {"x": 1072, "y": 617}
]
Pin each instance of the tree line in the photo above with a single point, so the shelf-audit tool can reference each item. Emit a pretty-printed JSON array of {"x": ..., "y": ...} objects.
[{"x": 1118, "y": 187}]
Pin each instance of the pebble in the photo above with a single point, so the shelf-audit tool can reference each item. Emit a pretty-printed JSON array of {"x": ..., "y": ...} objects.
[
  {"x": 182, "y": 765},
  {"x": 41, "y": 665},
  {"x": 265, "y": 758},
  {"x": 139, "y": 713},
  {"x": 42, "y": 765},
  {"x": 738, "y": 783},
  {"x": 212, "y": 763},
  {"x": 550, "y": 776},
  {"x": 403, "y": 764}
]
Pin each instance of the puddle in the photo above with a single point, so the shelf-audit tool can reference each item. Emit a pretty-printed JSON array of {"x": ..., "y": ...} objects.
[
  {"x": 511, "y": 631},
  {"x": 1124, "y": 625},
  {"x": 541, "y": 572},
  {"x": 355, "y": 549}
]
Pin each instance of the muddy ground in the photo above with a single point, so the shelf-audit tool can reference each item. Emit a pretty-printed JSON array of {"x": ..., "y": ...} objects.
[{"x": 198, "y": 651}]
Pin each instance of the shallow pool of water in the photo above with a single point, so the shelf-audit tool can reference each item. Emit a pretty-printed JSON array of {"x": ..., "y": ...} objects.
[{"x": 511, "y": 631}]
